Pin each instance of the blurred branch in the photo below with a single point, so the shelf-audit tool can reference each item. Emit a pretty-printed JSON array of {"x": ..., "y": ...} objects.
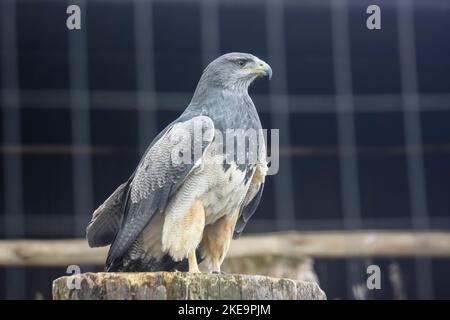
[
  {"x": 49, "y": 253},
  {"x": 293, "y": 151},
  {"x": 346, "y": 244},
  {"x": 291, "y": 244},
  {"x": 372, "y": 151},
  {"x": 57, "y": 149}
]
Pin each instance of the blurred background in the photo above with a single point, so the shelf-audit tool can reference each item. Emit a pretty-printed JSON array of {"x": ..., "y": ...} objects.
[{"x": 364, "y": 118}]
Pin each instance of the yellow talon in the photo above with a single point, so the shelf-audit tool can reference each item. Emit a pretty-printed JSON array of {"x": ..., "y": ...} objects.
[{"x": 193, "y": 266}]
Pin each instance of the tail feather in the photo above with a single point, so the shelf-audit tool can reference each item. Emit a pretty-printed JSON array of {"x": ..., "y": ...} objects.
[{"x": 105, "y": 222}]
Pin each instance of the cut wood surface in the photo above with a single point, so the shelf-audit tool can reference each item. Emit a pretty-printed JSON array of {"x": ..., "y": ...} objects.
[
  {"x": 290, "y": 244},
  {"x": 181, "y": 286}
]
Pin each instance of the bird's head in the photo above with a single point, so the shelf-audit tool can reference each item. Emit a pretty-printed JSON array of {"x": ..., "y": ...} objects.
[{"x": 236, "y": 70}]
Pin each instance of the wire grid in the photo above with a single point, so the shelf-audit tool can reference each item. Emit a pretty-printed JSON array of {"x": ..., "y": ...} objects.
[{"x": 343, "y": 103}]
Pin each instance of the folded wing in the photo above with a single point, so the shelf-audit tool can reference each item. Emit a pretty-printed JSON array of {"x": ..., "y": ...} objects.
[{"x": 160, "y": 173}]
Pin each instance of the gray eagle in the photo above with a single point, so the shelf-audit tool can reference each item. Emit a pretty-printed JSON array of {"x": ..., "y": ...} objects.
[{"x": 191, "y": 192}]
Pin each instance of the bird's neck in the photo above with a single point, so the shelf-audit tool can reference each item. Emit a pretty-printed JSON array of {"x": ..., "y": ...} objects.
[
  {"x": 228, "y": 107},
  {"x": 214, "y": 89}
]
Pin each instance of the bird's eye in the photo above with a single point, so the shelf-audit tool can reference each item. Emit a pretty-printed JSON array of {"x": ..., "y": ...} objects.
[{"x": 241, "y": 63}]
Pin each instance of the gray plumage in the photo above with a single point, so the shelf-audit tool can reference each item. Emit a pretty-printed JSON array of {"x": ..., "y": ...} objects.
[
  {"x": 220, "y": 102},
  {"x": 154, "y": 182}
]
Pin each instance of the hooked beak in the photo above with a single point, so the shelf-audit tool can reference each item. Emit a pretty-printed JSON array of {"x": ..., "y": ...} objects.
[{"x": 263, "y": 69}]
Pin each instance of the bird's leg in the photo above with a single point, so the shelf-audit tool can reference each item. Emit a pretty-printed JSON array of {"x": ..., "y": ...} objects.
[
  {"x": 216, "y": 241},
  {"x": 183, "y": 244},
  {"x": 192, "y": 259}
]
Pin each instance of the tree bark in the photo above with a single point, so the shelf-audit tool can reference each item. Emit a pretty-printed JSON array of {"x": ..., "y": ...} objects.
[{"x": 181, "y": 286}]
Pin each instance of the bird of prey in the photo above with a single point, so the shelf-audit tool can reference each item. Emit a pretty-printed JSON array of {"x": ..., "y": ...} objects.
[{"x": 172, "y": 213}]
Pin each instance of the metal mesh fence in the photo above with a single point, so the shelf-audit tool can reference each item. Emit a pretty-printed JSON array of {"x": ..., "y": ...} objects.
[{"x": 363, "y": 114}]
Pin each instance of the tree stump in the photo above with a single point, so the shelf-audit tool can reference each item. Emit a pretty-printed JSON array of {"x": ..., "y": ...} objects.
[{"x": 181, "y": 286}]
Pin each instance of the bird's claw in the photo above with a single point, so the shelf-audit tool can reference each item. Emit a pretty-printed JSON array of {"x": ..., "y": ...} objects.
[{"x": 219, "y": 272}]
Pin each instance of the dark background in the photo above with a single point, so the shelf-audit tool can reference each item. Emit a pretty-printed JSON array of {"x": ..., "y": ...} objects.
[{"x": 364, "y": 117}]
